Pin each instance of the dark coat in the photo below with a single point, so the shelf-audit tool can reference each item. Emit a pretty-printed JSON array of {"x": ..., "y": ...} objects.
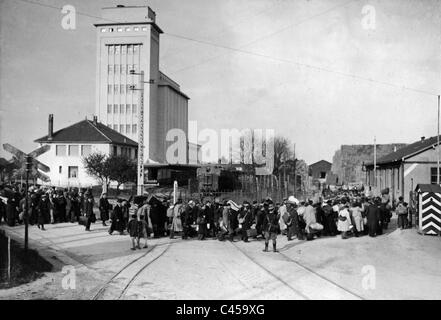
[
  {"x": 271, "y": 222},
  {"x": 189, "y": 215},
  {"x": 117, "y": 219},
  {"x": 232, "y": 219},
  {"x": 247, "y": 217},
  {"x": 10, "y": 213},
  {"x": 202, "y": 221},
  {"x": 44, "y": 211},
  {"x": 104, "y": 207},
  {"x": 88, "y": 207},
  {"x": 373, "y": 216},
  {"x": 132, "y": 228},
  {"x": 60, "y": 206}
]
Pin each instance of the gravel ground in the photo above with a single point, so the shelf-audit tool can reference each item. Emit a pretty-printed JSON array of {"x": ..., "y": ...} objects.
[{"x": 402, "y": 263}]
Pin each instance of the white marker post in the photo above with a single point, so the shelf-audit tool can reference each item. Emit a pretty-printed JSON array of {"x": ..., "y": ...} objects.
[
  {"x": 175, "y": 191},
  {"x": 9, "y": 259}
]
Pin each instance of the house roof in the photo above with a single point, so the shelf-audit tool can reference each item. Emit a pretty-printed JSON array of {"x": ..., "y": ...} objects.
[
  {"x": 320, "y": 162},
  {"x": 89, "y": 132},
  {"x": 428, "y": 188},
  {"x": 406, "y": 152}
]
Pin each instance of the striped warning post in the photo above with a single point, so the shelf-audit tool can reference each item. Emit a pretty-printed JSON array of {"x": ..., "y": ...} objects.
[{"x": 430, "y": 213}]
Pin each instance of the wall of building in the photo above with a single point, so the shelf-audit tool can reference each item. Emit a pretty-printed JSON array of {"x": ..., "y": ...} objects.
[
  {"x": 347, "y": 162},
  {"x": 174, "y": 114},
  {"x": 404, "y": 179},
  {"x": 55, "y": 162}
]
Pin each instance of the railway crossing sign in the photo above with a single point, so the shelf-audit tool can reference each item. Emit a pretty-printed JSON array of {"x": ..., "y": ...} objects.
[{"x": 32, "y": 165}]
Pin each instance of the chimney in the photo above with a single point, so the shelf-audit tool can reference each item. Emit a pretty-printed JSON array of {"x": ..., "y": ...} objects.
[
  {"x": 423, "y": 138},
  {"x": 50, "y": 127},
  {"x": 95, "y": 120}
]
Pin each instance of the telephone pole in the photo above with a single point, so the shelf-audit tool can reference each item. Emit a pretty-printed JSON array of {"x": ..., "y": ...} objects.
[{"x": 140, "y": 177}]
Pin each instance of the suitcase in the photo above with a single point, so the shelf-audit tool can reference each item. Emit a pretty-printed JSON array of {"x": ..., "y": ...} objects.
[
  {"x": 82, "y": 220},
  {"x": 252, "y": 233}
]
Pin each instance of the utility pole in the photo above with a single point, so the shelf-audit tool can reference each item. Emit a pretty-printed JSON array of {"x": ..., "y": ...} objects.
[
  {"x": 26, "y": 214},
  {"x": 295, "y": 171},
  {"x": 140, "y": 179},
  {"x": 375, "y": 162},
  {"x": 437, "y": 151}
]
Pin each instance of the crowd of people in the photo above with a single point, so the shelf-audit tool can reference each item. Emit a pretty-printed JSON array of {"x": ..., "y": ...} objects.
[{"x": 348, "y": 214}]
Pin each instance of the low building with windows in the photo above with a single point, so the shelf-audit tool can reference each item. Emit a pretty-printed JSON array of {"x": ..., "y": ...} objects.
[
  {"x": 401, "y": 171},
  {"x": 319, "y": 172},
  {"x": 71, "y": 144}
]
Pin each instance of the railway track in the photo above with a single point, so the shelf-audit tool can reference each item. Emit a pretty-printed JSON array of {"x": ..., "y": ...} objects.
[
  {"x": 130, "y": 272},
  {"x": 310, "y": 271}
]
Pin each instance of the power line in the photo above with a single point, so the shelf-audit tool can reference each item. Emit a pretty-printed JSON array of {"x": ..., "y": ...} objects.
[
  {"x": 240, "y": 50},
  {"x": 221, "y": 31},
  {"x": 260, "y": 38},
  {"x": 60, "y": 8}
]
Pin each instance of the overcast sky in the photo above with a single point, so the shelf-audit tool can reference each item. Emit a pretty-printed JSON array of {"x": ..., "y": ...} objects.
[{"x": 46, "y": 69}]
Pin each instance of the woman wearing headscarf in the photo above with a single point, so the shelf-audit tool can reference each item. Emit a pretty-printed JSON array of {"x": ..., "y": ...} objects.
[
  {"x": 176, "y": 219},
  {"x": 344, "y": 221},
  {"x": 357, "y": 218}
]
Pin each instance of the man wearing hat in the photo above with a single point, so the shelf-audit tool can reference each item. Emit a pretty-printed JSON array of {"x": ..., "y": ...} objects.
[
  {"x": 104, "y": 207},
  {"x": 117, "y": 218},
  {"x": 270, "y": 224}
]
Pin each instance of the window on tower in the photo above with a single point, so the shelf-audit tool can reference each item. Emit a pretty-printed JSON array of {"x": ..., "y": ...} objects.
[
  {"x": 128, "y": 108},
  {"x": 127, "y": 128},
  {"x": 115, "y": 108},
  {"x": 109, "y": 108},
  {"x": 121, "y": 88},
  {"x": 115, "y": 127},
  {"x": 109, "y": 88},
  {"x": 134, "y": 108},
  {"x": 134, "y": 128},
  {"x": 110, "y": 69},
  {"x": 121, "y": 108},
  {"x": 115, "y": 88},
  {"x": 121, "y": 128}
]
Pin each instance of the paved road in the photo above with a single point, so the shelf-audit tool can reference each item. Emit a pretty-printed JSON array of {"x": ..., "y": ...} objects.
[{"x": 405, "y": 265}]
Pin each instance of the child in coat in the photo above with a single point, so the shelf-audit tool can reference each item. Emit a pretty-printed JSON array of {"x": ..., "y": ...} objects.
[
  {"x": 132, "y": 229},
  {"x": 142, "y": 231}
]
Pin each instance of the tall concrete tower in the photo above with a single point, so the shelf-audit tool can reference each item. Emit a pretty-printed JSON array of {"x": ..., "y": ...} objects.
[{"x": 128, "y": 39}]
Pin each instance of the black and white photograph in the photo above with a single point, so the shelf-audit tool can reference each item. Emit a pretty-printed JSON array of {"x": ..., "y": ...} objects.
[{"x": 232, "y": 151}]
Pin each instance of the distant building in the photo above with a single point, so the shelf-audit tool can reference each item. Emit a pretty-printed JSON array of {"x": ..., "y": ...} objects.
[
  {"x": 128, "y": 39},
  {"x": 71, "y": 144},
  {"x": 347, "y": 162},
  {"x": 401, "y": 171},
  {"x": 319, "y": 172}
]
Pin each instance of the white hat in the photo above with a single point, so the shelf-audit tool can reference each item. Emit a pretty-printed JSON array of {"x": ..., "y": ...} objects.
[
  {"x": 293, "y": 200},
  {"x": 234, "y": 205}
]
